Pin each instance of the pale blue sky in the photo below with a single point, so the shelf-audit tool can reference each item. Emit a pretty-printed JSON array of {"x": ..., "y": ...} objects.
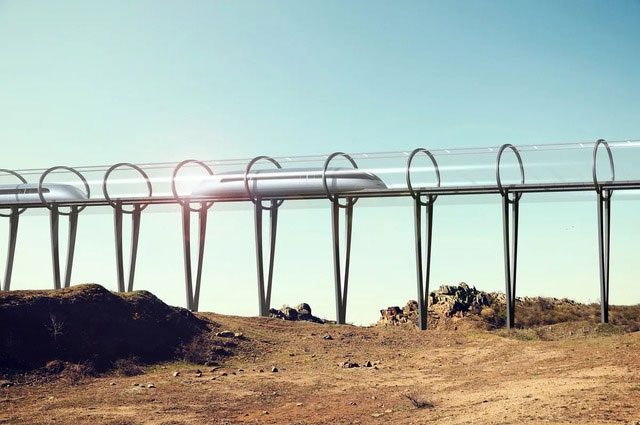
[{"x": 86, "y": 83}]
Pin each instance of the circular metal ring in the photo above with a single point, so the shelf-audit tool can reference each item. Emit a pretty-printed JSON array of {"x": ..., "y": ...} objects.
[
  {"x": 105, "y": 191},
  {"x": 594, "y": 170},
  {"x": 416, "y": 194},
  {"x": 333, "y": 198},
  {"x": 71, "y": 170},
  {"x": 182, "y": 202},
  {"x": 22, "y": 179},
  {"x": 255, "y": 200},
  {"x": 503, "y": 192}
]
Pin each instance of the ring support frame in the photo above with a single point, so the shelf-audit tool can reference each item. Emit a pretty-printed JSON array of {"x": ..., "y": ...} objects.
[
  {"x": 419, "y": 204},
  {"x": 54, "y": 215},
  {"x": 118, "y": 215},
  {"x": 192, "y": 294},
  {"x": 264, "y": 292},
  {"x": 14, "y": 217}
]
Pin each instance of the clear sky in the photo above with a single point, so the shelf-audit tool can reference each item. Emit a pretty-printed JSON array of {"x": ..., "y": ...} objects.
[{"x": 99, "y": 82}]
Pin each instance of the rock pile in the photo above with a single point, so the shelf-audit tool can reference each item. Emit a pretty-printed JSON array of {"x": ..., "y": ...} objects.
[
  {"x": 448, "y": 300},
  {"x": 301, "y": 312},
  {"x": 461, "y": 299}
]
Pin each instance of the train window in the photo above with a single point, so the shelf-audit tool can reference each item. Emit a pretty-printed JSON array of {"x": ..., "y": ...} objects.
[{"x": 19, "y": 191}]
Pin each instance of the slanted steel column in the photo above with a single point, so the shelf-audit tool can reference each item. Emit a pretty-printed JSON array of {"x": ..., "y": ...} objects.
[
  {"x": 419, "y": 204},
  {"x": 510, "y": 253},
  {"x": 510, "y": 218},
  {"x": 11, "y": 249},
  {"x": 251, "y": 185},
  {"x": 14, "y": 217},
  {"x": 55, "y": 243},
  {"x": 604, "y": 228},
  {"x": 54, "y": 222},
  {"x": 264, "y": 293},
  {"x": 118, "y": 214},
  {"x": 192, "y": 296},
  {"x": 341, "y": 276}
]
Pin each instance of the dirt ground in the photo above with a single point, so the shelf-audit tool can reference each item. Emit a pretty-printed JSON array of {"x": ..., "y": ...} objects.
[{"x": 574, "y": 373}]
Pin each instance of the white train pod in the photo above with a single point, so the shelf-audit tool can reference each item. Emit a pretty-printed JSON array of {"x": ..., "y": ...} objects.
[
  {"x": 27, "y": 193},
  {"x": 288, "y": 182}
]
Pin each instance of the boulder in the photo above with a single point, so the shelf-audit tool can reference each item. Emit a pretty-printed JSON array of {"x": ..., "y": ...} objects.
[{"x": 304, "y": 306}]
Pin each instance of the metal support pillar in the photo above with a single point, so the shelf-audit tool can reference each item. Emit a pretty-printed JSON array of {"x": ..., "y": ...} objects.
[
  {"x": 510, "y": 218},
  {"x": 118, "y": 213},
  {"x": 341, "y": 276},
  {"x": 604, "y": 247},
  {"x": 264, "y": 293},
  {"x": 510, "y": 253},
  {"x": 604, "y": 227},
  {"x": 193, "y": 297},
  {"x": 251, "y": 185},
  {"x": 11, "y": 249},
  {"x": 423, "y": 279},
  {"x": 54, "y": 215}
]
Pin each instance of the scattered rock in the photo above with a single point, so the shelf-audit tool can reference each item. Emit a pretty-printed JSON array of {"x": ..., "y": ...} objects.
[
  {"x": 238, "y": 335},
  {"x": 112, "y": 383},
  {"x": 368, "y": 364},
  {"x": 225, "y": 334},
  {"x": 176, "y": 374},
  {"x": 274, "y": 369},
  {"x": 349, "y": 364},
  {"x": 223, "y": 374},
  {"x": 135, "y": 384},
  {"x": 6, "y": 384},
  {"x": 261, "y": 370},
  {"x": 327, "y": 337},
  {"x": 301, "y": 312},
  {"x": 298, "y": 404},
  {"x": 150, "y": 386}
]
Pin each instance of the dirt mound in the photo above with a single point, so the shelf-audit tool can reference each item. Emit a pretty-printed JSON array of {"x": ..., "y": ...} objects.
[
  {"x": 87, "y": 323},
  {"x": 463, "y": 306}
]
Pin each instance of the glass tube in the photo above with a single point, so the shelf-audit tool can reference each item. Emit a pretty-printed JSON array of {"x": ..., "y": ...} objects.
[{"x": 550, "y": 164}]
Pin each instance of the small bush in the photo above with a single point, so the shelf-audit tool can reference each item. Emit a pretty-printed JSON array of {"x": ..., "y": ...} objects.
[{"x": 128, "y": 367}]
